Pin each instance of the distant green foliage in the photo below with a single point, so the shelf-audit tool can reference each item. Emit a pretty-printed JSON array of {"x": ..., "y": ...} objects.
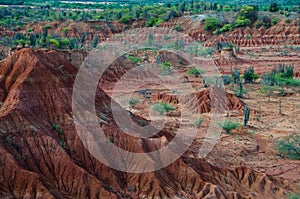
[
  {"x": 226, "y": 27},
  {"x": 162, "y": 108},
  {"x": 289, "y": 147},
  {"x": 126, "y": 20},
  {"x": 242, "y": 21},
  {"x": 211, "y": 24},
  {"x": 274, "y": 7},
  {"x": 154, "y": 22}
]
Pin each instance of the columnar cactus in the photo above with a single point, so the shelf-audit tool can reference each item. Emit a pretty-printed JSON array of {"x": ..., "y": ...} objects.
[{"x": 246, "y": 114}]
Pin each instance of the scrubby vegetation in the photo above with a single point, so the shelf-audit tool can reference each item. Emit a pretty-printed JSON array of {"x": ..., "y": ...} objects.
[
  {"x": 133, "y": 102},
  {"x": 289, "y": 147},
  {"x": 198, "y": 122},
  {"x": 229, "y": 125},
  {"x": 162, "y": 108},
  {"x": 195, "y": 71}
]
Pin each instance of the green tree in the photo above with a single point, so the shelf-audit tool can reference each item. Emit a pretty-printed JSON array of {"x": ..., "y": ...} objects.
[
  {"x": 211, "y": 24},
  {"x": 273, "y": 7}
]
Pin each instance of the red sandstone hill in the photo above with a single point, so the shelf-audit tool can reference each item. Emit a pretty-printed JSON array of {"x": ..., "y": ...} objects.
[
  {"x": 37, "y": 162},
  {"x": 204, "y": 100}
]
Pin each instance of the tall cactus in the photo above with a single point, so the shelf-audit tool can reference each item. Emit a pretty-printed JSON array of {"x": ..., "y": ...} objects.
[{"x": 246, "y": 114}]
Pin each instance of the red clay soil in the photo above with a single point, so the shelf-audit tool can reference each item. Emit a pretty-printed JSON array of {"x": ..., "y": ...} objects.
[
  {"x": 37, "y": 162},
  {"x": 204, "y": 100}
]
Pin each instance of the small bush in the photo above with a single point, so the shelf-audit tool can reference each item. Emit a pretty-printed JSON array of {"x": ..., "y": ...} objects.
[
  {"x": 134, "y": 59},
  {"x": 249, "y": 75},
  {"x": 195, "y": 71},
  {"x": 226, "y": 27},
  {"x": 198, "y": 122},
  {"x": 29, "y": 29},
  {"x": 229, "y": 125},
  {"x": 54, "y": 42},
  {"x": 289, "y": 147},
  {"x": 162, "y": 108},
  {"x": 294, "y": 196},
  {"x": 288, "y": 21},
  {"x": 133, "y": 101},
  {"x": 211, "y": 24},
  {"x": 166, "y": 68},
  {"x": 58, "y": 129},
  {"x": 178, "y": 28}
]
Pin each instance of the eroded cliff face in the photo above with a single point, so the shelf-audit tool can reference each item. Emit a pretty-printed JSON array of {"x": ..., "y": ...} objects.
[{"x": 38, "y": 161}]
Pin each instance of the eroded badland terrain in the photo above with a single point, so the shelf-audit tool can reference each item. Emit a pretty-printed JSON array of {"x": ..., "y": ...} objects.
[{"x": 42, "y": 155}]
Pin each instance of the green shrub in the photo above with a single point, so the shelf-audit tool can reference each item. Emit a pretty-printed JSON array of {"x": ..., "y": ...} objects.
[
  {"x": 133, "y": 102},
  {"x": 205, "y": 52},
  {"x": 226, "y": 27},
  {"x": 198, "y": 122},
  {"x": 54, "y": 42},
  {"x": 154, "y": 22},
  {"x": 249, "y": 75},
  {"x": 294, "y": 196},
  {"x": 178, "y": 28},
  {"x": 211, "y": 24},
  {"x": 195, "y": 71},
  {"x": 162, "y": 108},
  {"x": 29, "y": 29},
  {"x": 126, "y": 20},
  {"x": 288, "y": 21},
  {"x": 289, "y": 147},
  {"x": 58, "y": 129},
  {"x": 134, "y": 59},
  {"x": 166, "y": 68},
  {"x": 275, "y": 21},
  {"x": 242, "y": 21},
  {"x": 229, "y": 125}
]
